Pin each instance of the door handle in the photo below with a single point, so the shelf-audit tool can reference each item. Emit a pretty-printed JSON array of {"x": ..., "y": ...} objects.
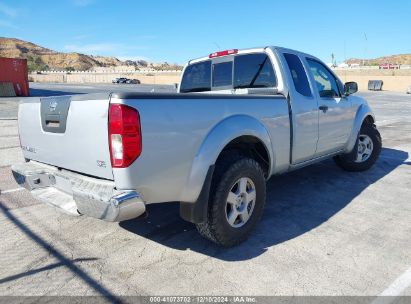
[{"x": 323, "y": 108}]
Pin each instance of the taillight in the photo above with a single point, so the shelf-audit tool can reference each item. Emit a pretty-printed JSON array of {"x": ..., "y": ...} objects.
[
  {"x": 124, "y": 134},
  {"x": 223, "y": 53}
]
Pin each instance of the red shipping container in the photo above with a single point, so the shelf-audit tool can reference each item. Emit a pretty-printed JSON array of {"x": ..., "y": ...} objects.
[{"x": 15, "y": 71}]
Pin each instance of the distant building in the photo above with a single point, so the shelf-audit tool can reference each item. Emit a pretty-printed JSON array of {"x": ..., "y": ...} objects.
[{"x": 388, "y": 66}]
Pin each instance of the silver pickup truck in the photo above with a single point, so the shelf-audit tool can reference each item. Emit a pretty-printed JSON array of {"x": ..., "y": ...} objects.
[{"x": 239, "y": 117}]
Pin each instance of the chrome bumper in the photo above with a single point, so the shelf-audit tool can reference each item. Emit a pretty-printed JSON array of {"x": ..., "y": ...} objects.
[{"x": 77, "y": 194}]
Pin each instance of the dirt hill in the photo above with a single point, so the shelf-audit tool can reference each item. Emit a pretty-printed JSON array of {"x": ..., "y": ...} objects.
[
  {"x": 394, "y": 59},
  {"x": 40, "y": 58}
]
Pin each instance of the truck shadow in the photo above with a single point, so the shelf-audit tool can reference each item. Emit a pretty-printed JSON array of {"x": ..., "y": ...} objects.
[
  {"x": 61, "y": 260},
  {"x": 297, "y": 202}
]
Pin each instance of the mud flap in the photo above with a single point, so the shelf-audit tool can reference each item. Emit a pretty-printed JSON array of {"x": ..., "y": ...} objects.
[{"x": 196, "y": 212}]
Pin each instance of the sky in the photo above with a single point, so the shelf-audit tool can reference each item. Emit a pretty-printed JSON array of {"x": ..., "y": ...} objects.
[{"x": 179, "y": 30}]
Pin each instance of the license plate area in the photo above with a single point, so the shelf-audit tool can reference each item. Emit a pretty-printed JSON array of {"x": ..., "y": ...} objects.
[{"x": 63, "y": 183}]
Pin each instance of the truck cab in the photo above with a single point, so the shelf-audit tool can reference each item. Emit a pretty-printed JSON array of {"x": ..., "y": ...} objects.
[{"x": 321, "y": 108}]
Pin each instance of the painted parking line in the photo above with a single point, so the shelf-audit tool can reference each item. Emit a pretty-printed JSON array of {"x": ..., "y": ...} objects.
[
  {"x": 395, "y": 158},
  {"x": 11, "y": 190},
  {"x": 396, "y": 289}
]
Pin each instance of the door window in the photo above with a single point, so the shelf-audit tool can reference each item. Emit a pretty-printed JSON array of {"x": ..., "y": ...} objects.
[
  {"x": 326, "y": 83},
  {"x": 298, "y": 74}
]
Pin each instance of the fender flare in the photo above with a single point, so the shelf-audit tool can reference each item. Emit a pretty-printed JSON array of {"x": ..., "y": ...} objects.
[
  {"x": 362, "y": 113},
  {"x": 216, "y": 140}
]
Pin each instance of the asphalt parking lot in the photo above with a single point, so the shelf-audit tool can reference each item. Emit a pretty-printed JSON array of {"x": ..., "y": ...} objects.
[{"x": 324, "y": 231}]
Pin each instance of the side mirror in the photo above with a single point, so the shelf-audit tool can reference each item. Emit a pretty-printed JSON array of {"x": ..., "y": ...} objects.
[{"x": 350, "y": 88}]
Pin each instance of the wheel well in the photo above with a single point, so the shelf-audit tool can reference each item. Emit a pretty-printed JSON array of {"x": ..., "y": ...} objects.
[
  {"x": 249, "y": 146},
  {"x": 369, "y": 120}
]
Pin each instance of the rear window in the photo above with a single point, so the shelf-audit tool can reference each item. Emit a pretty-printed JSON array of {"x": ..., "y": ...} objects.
[
  {"x": 253, "y": 71},
  {"x": 197, "y": 77},
  {"x": 298, "y": 74},
  {"x": 250, "y": 71},
  {"x": 223, "y": 74}
]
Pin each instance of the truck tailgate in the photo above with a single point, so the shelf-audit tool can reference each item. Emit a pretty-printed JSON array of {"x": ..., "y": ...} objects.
[{"x": 68, "y": 132}]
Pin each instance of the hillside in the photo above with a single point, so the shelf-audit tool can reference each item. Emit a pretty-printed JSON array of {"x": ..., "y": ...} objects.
[
  {"x": 394, "y": 59},
  {"x": 42, "y": 58}
]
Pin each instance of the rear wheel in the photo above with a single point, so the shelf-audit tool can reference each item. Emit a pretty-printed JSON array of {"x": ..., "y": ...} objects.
[
  {"x": 236, "y": 201},
  {"x": 368, "y": 149}
]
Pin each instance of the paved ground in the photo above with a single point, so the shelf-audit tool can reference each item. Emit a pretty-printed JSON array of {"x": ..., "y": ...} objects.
[{"x": 324, "y": 232}]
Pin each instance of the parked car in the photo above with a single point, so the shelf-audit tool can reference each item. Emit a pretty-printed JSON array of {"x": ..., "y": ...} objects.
[
  {"x": 122, "y": 80},
  {"x": 115, "y": 80},
  {"x": 257, "y": 113},
  {"x": 133, "y": 81},
  {"x": 409, "y": 90}
]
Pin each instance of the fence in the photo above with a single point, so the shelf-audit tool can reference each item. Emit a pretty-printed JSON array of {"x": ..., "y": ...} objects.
[
  {"x": 147, "y": 77},
  {"x": 394, "y": 80}
]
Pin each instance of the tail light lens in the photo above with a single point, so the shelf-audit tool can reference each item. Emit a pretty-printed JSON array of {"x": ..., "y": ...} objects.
[{"x": 124, "y": 135}]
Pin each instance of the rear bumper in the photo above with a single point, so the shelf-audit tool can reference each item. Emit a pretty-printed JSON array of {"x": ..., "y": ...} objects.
[{"x": 77, "y": 194}]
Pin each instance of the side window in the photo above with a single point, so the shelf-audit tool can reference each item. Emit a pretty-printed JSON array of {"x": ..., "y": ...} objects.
[
  {"x": 197, "y": 77},
  {"x": 298, "y": 74},
  {"x": 326, "y": 84},
  {"x": 223, "y": 74},
  {"x": 253, "y": 71}
]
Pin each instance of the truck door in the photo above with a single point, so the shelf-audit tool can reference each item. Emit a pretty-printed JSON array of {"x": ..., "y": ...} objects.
[
  {"x": 304, "y": 110},
  {"x": 334, "y": 109}
]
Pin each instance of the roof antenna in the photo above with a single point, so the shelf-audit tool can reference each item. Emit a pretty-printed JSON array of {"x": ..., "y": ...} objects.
[{"x": 218, "y": 47}]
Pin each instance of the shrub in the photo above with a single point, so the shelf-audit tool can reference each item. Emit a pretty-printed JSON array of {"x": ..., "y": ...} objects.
[{"x": 36, "y": 64}]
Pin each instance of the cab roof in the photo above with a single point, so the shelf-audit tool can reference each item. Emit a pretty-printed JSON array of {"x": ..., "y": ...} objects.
[{"x": 246, "y": 51}]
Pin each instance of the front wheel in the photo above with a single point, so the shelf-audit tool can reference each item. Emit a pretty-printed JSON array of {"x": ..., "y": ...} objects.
[
  {"x": 369, "y": 145},
  {"x": 236, "y": 201}
]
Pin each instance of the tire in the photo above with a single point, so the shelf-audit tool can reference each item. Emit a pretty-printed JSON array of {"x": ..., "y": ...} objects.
[
  {"x": 232, "y": 173},
  {"x": 352, "y": 161}
]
